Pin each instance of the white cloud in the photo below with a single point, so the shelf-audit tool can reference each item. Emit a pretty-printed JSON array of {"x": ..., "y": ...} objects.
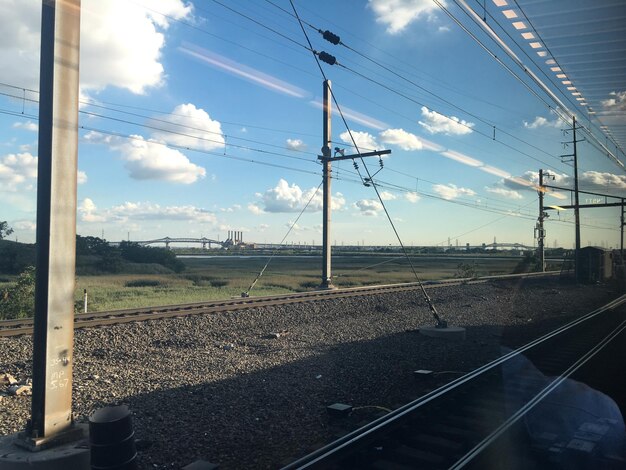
[
  {"x": 507, "y": 193},
  {"x": 87, "y": 212},
  {"x": 201, "y": 132},
  {"x": 601, "y": 181},
  {"x": 28, "y": 126},
  {"x": 143, "y": 211},
  {"x": 151, "y": 160},
  {"x": 81, "y": 177},
  {"x": 364, "y": 140},
  {"x": 369, "y": 207},
  {"x": 436, "y": 123},
  {"x": 295, "y": 144},
  {"x": 617, "y": 103},
  {"x": 255, "y": 209},
  {"x": 401, "y": 138},
  {"x": 16, "y": 170},
  {"x": 451, "y": 191},
  {"x": 541, "y": 122},
  {"x": 120, "y": 43},
  {"x": 412, "y": 197},
  {"x": 387, "y": 196},
  {"x": 398, "y": 14},
  {"x": 24, "y": 225},
  {"x": 290, "y": 198}
]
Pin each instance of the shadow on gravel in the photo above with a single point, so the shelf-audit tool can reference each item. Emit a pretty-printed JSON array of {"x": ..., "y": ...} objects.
[{"x": 266, "y": 418}]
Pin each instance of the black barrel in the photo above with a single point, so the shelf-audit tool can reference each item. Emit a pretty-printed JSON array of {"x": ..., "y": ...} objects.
[{"x": 112, "y": 439}]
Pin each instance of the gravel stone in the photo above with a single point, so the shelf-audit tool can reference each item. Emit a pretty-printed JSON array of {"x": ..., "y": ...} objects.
[{"x": 219, "y": 387}]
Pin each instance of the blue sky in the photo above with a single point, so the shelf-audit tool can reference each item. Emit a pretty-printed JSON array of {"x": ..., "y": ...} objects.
[{"x": 203, "y": 117}]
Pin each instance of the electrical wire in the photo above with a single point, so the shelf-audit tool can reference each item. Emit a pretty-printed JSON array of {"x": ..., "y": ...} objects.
[
  {"x": 431, "y": 305},
  {"x": 247, "y": 292}
]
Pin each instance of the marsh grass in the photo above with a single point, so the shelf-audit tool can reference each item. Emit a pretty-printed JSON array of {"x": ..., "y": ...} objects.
[{"x": 225, "y": 277}]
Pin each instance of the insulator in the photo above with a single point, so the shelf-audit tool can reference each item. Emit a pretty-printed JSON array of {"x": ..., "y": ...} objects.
[
  {"x": 356, "y": 166},
  {"x": 331, "y": 37},
  {"x": 380, "y": 162},
  {"x": 326, "y": 57}
]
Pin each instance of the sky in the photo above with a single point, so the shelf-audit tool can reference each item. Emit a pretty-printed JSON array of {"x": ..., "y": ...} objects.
[{"x": 201, "y": 117}]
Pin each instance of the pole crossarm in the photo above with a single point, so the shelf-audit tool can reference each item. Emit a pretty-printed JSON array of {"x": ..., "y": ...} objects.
[
  {"x": 352, "y": 157},
  {"x": 584, "y": 206},
  {"x": 581, "y": 191}
]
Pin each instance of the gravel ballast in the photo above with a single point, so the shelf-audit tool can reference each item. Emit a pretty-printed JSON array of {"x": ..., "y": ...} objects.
[{"x": 249, "y": 389}]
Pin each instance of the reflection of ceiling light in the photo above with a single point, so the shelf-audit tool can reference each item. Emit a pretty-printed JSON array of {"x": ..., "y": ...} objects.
[
  {"x": 566, "y": 82},
  {"x": 570, "y": 88},
  {"x": 509, "y": 14},
  {"x": 582, "y": 103},
  {"x": 561, "y": 75},
  {"x": 519, "y": 25},
  {"x": 558, "y": 208},
  {"x": 580, "y": 98},
  {"x": 591, "y": 112},
  {"x": 542, "y": 53},
  {"x": 528, "y": 35},
  {"x": 500, "y": 3},
  {"x": 555, "y": 69},
  {"x": 550, "y": 62},
  {"x": 535, "y": 45},
  {"x": 576, "y": 93}
]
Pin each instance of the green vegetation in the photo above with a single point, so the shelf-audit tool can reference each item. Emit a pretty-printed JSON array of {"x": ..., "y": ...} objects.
[
  {"x": 18, "y": 300},
  {"x": 130, "y": 275}
]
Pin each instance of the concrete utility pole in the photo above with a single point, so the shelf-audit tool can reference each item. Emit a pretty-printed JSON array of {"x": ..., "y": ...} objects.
[
  {"x": 53, "y": 338},
  {"x": 327, "y": 282},
  {"x": 326, "y": 158}
]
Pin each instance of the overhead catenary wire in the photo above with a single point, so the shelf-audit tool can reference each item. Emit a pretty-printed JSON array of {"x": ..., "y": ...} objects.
[
  {"x": 247, "y": 292},
  {"x": 431, "y": 305}
]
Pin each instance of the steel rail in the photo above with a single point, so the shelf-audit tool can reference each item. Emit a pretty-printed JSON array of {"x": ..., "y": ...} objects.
[
  {"x": 329, "y": 452},
  {"x": 15, "y": 327}
]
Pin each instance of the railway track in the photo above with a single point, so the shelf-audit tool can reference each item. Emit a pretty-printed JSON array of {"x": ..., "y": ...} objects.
[
  {"x": 522, "y": 410},
  {"x": 24, "y": 326}
]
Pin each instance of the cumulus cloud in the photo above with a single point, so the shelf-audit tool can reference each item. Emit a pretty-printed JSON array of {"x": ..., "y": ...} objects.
[
  {"x": 412, "y": 197},
  {"x": 143, "y": 211},
  {"x": 436, "y": 123},
  {"x": 295, "y": 144},
  {"x": 364, "y": 140},
  {"x": 150, "y": 160},
  {"x": 398, "y": 14},
  {"x": 451, "y": 191},
  {"x": 589, "y": 180},
  {"x": 81, "y": 177},
  {"x": 540, "y": 121},
  {"x": 369, "y": 207},
  {"x": 200, "y": 131},
  {"x": 617, "y": 102},
  {"x": 596, "y": 180},
  {"x": 255, "y": 209},
  {"x": 291, "y": 198},
  {"x": 121, "y": 42},
  {"x": 16, "y": 170},
  {"x": 387, "y": 196},
  {"x": 24, "y": 225},
  {"x": 401, "y": 138},
  {"x": 27, "y": 126},
  {"x": 507, "y": 193}
]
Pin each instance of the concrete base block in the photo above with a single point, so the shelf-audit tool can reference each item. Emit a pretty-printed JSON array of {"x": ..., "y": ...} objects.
[
  {"x": 339, "y": 410},
  {"x": 455, "y": 333},
  {"x": 73, "y": 455}
]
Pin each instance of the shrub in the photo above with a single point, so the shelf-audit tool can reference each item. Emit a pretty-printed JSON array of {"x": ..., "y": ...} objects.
[
  {"x": 18, "y": 301},
  {"x": 466, "y": 270},
  {"x": 143, "y": 283}
]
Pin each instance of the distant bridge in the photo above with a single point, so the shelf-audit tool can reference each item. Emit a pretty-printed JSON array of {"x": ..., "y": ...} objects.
[{"x": 201, "y": 241}]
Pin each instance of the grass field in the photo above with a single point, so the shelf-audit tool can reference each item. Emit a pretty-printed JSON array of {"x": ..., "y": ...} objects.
[{"x": 224, "y": 277}]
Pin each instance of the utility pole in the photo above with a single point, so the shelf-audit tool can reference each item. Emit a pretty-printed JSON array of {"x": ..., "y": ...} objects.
[
  {"x": 574, "y": 156},
  {"x": 53, "y": 337},
  {"x": 326, "y": 158},
  {"x": 327, "y": 282},
  {"x": 576, "y": 204},
  {"x": 540, "y": 232}
]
